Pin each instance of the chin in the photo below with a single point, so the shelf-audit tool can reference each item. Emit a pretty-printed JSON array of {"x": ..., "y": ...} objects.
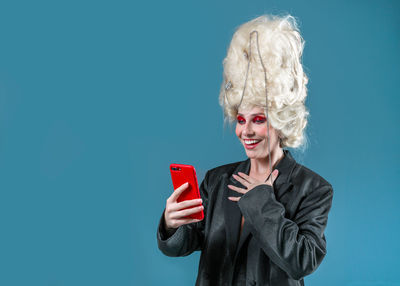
[{"x": 254, "y": 155}]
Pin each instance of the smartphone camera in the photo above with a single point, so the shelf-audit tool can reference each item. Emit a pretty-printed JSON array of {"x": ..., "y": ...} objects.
[{"x": 175, "y": 169}]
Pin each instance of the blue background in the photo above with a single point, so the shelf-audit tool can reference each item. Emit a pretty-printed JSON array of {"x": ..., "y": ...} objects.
[{"x": 98, "y": 98}]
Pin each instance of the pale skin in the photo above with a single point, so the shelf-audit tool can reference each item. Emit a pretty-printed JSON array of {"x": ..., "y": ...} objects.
[
  {"x": 251, "y": 125},
  {"x": 175, "y": 212}
]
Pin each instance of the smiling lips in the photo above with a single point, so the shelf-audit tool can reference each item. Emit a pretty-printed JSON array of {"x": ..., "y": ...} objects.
[{"x": 250, "y": 143}]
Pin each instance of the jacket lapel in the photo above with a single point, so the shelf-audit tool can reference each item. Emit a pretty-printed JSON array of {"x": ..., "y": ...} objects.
[
  {"x": 231, "y": 210},
  {"x": 245, "y": 233},
  {"x": 285, "y": 168}
]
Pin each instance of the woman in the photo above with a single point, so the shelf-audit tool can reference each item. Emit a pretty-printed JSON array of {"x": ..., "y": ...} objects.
[{"x": 264, "y": 218}]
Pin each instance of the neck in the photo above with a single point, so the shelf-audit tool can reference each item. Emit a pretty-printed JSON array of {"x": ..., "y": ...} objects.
[{"x": 260, "y": 166}]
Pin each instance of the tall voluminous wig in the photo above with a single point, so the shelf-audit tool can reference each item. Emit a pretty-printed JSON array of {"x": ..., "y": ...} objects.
[{"x": 280, "y": 47}]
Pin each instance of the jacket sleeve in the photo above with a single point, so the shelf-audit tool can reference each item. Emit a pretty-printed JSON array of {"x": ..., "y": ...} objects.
[
  {"x": 296, "y": 246},
  {"x": 186, "y": 238}
]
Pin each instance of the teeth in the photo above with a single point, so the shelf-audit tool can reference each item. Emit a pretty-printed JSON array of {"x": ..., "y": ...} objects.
[{"x": 251, "y": 141}]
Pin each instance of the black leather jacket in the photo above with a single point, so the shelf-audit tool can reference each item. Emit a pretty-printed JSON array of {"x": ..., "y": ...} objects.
[{"x": 283, "y": 235}]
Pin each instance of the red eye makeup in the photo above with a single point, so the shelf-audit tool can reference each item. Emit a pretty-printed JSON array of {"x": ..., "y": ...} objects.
[
  {"x": 241, "y": 120},
  {"x": 259, "y": 119}
]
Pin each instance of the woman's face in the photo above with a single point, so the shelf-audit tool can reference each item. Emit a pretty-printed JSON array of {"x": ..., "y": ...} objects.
[{"x": 251, "y": 129}]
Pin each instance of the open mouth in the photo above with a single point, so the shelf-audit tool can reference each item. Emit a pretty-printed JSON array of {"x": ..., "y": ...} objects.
[{"x": 251, "y": 143}]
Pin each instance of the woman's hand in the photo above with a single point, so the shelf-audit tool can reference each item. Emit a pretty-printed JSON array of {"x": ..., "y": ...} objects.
[
  {"x": 249, "y": 183},
  {"x": 175, "y": 212}
]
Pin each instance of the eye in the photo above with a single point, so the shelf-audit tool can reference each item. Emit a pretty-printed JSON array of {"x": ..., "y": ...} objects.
[
  {"x": 259, "y": 119},
  {"x": 241, "y": 120}
]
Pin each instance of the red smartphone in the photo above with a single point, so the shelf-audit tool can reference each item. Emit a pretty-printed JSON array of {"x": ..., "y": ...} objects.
[{"x": 181, "y": 174}]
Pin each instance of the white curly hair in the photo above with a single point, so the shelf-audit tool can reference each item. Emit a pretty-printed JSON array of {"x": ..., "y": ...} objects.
[{"x": 281, "y": 47}]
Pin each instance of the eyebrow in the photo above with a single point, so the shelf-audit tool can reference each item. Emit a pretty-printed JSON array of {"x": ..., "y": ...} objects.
[{"x": 253, "y": 114}]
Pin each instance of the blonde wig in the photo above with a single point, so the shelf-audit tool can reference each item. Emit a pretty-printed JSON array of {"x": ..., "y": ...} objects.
[{"x": 280, "y": 48}]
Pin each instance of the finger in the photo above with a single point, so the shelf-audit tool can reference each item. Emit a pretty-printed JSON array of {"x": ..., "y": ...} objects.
[
  {"x": 237, "y": 189},
  {"x": 240, "y": 180},
  {"x": 177, "y": 192},
  {"x": 234, "y": 199},
  {"x": 186, "y": 204},
  {"x": 186, "y": 212},
  {"x": 174, "y": 206},
  {"x": 249, "y": 179},
  {"x": 190, "y": 220},
  {"x": 178, "y": 222}
]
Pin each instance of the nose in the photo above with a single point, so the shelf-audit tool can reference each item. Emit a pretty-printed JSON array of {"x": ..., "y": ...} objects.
[{"x": 248, "y": 129}]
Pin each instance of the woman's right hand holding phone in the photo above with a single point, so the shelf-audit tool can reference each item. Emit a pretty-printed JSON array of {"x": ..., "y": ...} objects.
[{"x": 176, "y": 212}]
